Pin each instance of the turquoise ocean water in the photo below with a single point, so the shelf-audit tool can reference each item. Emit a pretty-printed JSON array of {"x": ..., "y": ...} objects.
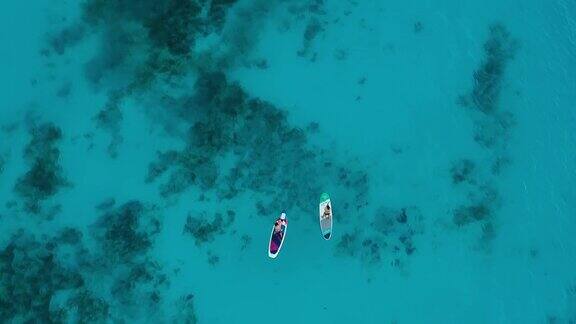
[{"x": 146, "y": 148}]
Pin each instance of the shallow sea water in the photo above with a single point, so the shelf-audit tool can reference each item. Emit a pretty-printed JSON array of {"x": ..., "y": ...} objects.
[{"x": 146, "y": 148}]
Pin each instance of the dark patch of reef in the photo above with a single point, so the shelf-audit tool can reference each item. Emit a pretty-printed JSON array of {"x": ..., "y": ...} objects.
[
  {"x": 174, "y": 26},
  {"x": 498, "y": 50},
  {"x": 390, "y": 237},
  {"x": 140, "y": 42},
  {"x": 124, "y": 233},
  {"x": 483, "y": 200},
  {"x": 162, "y": 32},
  {"x": 148, "y": 45},
  {"x": 311, "y": 12},
  {"x": 30, "y": 276},
  {"x": 265, "y": 154},
  {"x": 185, "y": 310},
  {"x": 45, "y": 280},
  {"x": 203, "y": 230},
  {"x": 45, "y": 176},
  {"x": 164, "y": 35},
  {"x": 85, "y": 307},
  {"x": 191, "y": 170},
  {"x": 492, "y": 125},
  {"x": 144, "y": 282},
  {"x": 125, "y": 236},
  {"x": 70, "y": 236},
  {"x": 311, "y": 32},
  {"x": 462, "y": 171},
  {"x": 56, "y": 278}
]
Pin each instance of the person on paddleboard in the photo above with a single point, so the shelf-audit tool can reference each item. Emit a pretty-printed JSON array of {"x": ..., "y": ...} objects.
[
  {"x": 277, "y": 235},
  {"x": 327, "y": 212},
  {"x": 280, "y": 224}
]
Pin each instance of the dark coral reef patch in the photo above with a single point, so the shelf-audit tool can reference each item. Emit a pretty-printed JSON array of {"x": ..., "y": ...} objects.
[
  {"x": 312, "y": 30},
  {"x": 31, "y": 277},
  {"x": 462, "y": 171},
  {"x": 185, "y": 310},
  {"x": 348, "y": 244},
  {"x": 203, "y": 230},
  {"x": 480, "y": 210},
  {"x": 45, "y": 177},
  {"x": 86, "y": 307},
  {"x": 483, "y": 201},
  {"x": 493, "y": 124},
  {"x": 389, "y": 237},
  {"x": 163, "y": 33},
  {"x": 173, "y": 28},
  {"x": 142, "y": 44},
  {"x": 147, "y": 46},
  {"x": 52, "y": 278},
  {"x": 265, "y": 153},
  {"x": 126, "y": 233},
  {"x": 125, "y": 236},
  {"x": 498, "y": 50}
]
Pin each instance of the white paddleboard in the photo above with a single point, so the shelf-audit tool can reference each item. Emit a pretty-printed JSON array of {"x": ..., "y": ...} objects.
[{"x": 325, "y": 216}]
